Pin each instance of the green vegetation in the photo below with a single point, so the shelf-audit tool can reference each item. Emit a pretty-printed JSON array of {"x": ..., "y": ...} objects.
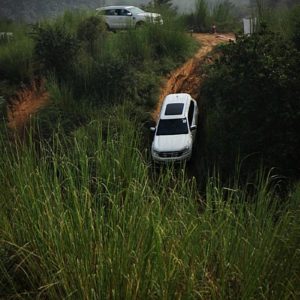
[
  {"x": 253, "y": 103},
  {"x": 84, "y": 215},
  {"x": 82, "y": 218},
  {"x": 103, "y": 70},
  {"x": 109, "y": 63},
  {"x": 222, "y": 14},
  {"x": 16, "y": 53},
  {"x": 280, "y": 19},
  {"x": 287, "y": 23}
]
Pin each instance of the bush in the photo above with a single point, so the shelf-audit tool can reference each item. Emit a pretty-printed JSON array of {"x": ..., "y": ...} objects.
[
  {"x": 171, "y": 42},
  {"x": 55, "y": 48},
  {"x": 252, "y": 100},
  {"x": 2, "y": 108},
  {"x": 129, "y": 63},
  {"x": 16, "y": 60},
  {"x": 90, "y": 31},
  {"x": 16, "y": 54},
  {"x": 295, "y": 21},
  {"x": 63, "y": 115}
]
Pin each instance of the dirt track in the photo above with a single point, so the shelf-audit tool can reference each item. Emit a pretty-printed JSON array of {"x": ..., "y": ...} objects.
[{"x": 187, "y": 78}]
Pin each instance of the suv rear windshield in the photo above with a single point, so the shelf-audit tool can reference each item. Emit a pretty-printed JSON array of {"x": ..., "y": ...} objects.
[
  {"x": 172, "y": 127},
  {"x": 174, "y": 109}
]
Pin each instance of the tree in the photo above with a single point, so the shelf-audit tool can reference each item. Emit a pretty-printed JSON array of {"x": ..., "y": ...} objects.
[{"x": 201, "y": 15}]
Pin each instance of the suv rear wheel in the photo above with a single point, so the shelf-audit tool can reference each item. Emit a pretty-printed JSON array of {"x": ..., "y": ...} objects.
[{"x": 139, "y": 24}]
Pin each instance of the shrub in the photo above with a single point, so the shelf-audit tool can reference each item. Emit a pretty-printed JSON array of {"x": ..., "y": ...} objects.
[
  {"x": 133, "y": 46},
  {"x": 171, "y": 42},
  {"x": 16, "y": 60},
  {"x": 113, "y": 80},
  {"x": 64, "y": 113},
  {"x": 124, "y": 67},
  {"x": 16, "y": 54},
  {"x": 295, "y": 22},
  {"x": 252, "y": 97},
  {"x": 90, "y": 31},
  {"x": 55, "y": 48},
  {"x": 2, "y": 108}
]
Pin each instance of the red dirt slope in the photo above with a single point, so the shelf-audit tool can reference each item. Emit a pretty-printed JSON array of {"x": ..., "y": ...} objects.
[{"x": 26, "y": 102}]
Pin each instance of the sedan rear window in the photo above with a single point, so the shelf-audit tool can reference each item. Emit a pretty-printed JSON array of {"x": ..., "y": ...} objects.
[{"x": 172, "y": 127}]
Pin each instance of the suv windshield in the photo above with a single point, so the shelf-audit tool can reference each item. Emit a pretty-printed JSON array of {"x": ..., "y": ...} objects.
[
  {"x": 172, "y": 127},
  {"x": 136, "y": 10}
]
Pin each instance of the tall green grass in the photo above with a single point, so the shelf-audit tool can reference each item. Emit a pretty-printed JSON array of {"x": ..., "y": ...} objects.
[{"x": 82, "y": 218}]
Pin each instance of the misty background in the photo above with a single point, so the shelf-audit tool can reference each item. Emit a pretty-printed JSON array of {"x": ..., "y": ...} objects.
[{"x": 33, "y": 10}]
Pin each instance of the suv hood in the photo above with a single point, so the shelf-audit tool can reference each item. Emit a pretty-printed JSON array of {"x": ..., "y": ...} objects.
[
  {"x": 149, "y": 15},
  {"x": 169, "y": 143}
]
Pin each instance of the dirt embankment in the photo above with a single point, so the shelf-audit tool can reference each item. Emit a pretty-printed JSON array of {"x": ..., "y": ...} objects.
[
  {"x": 187, "y": 78},
  {"x": 26, "y": 103}
]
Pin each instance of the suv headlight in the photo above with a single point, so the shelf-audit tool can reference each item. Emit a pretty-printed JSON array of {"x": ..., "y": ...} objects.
[
  {"x": 187, "y": 149},
  {"x": 155, "y": 152}
]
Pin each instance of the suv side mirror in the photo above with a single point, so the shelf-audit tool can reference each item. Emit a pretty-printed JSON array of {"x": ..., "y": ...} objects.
[
  {"x": 129, "y": 14},
  {"x": 193, "y": 127},
  {"x": 152, "y": 129}
]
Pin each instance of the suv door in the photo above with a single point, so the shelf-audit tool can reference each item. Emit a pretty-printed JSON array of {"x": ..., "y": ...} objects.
[
  {"x": 124, "y": 18},
  {"x": 111, "y": 18}
]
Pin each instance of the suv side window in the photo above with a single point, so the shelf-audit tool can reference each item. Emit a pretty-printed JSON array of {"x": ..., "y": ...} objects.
[
  {"x": 191, "y": 113},
  {"x": 121, "y": 12},
  {"x": 110, "y": 12},
  {"x": 126, "y": 12}
]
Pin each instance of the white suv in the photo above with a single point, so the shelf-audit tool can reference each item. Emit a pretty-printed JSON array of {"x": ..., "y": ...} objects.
[
  {"x": 176, "y": 129},
  {"x": 124, "y": 17}
]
